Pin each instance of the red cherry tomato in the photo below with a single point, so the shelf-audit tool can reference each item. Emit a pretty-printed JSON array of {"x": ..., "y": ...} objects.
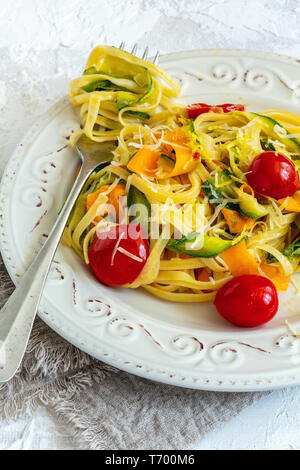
[
  {"x": 248, "y": 300},
  {"x": 231, "y": 107},
  {"x": 110, "y": 263},
  {"x": 194, "y": 110},
  {"x": 272, "y": 174}
]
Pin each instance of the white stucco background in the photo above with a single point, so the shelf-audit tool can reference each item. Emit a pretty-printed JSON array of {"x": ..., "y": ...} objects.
[{"x": 44, "y": 43}]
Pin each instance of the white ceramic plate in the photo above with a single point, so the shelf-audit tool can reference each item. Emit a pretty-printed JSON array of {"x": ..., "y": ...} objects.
[{"x": 181, "y": 344}]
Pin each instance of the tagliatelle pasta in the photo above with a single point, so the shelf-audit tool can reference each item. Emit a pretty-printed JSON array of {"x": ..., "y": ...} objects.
[{"x": 189, "y": 174}]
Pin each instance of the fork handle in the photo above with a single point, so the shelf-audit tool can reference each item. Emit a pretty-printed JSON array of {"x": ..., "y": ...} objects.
[{"x": 17, "y": 315}]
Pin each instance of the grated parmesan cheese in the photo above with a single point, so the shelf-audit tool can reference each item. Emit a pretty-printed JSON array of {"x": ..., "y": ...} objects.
[
  {"x": 130, "y": 255},
  {"x": 222, "y": 262},
  {"x": 280, "y": 131},
  {"x": 292, "y": 329}
]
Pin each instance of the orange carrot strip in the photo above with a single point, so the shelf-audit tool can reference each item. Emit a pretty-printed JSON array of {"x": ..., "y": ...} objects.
[
  {"x": 239, "y": 260},
  {"x": 236, "y": 222},
  {"x": 290, "y": 203},
  {"x": 273, "y": 272},
  {"x": 178, "y": 137},
  {"x": 184, "y": 162},
  {"x": 91, "y": 198},
  {"x": 113, "y": 197},
  {"x": 144, "y": 161}
]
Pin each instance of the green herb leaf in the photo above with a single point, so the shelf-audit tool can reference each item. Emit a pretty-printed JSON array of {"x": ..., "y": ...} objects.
[{"x": 293, "y": 250}]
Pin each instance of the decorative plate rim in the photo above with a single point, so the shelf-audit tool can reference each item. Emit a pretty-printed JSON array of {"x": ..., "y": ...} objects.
[{"x": 213, "y": 381}]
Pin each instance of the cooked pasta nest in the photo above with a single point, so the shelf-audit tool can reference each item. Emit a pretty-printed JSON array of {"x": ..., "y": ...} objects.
[{"x": 136, "y": 104}]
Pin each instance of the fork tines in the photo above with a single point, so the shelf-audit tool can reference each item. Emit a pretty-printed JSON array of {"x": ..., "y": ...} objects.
[{"x": 145, "y": 53}]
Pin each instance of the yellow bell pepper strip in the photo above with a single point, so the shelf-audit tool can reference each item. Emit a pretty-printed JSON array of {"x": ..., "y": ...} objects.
[
  {"x": 273, "y": 272},
  {"x": 290, "y": 203},
  {"x": 113, "y": 198},
  {"x": 237, "y": 222},
  {"x": 239, "y": 260}
]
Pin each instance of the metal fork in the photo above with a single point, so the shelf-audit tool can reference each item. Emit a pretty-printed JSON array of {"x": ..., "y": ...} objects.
[{"x": 18, "y": 314}]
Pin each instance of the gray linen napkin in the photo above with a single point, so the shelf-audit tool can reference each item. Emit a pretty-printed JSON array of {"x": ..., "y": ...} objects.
[{"x": 104, "y": 408}]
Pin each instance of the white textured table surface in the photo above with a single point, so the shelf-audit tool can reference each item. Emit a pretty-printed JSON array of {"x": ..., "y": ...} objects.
[{"x": 44, "y": 44}]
